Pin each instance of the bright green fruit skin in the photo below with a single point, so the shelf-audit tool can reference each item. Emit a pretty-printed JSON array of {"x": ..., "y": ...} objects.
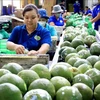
[
  {"x": 44, "y": 84},
  {"x": 41, "y": 70},
  {"x": 37, "y": 94},
  {"x": 59, "y": 82},
  {"x": 62, "y": 70},
  {"x": 84, "y": 90},
  {"x": 97, "y": 65},
  {"x": 14, "y": 68},
  {"x": 68, "y": 93},
  {"x": 3, "y": 72},
  {"x": 14, "y": 79},
  {"x": 97, "y": 92},
  {"x": 28, "y": 76},
  {"x": 95, "y": 75},
  {"x": 82, "y": 78},
  {"x": 9, "y": 91},
  {"x": 84, "y": 67}
]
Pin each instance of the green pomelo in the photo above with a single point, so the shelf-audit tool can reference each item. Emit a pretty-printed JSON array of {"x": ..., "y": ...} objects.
[
  {"x": 95, "y": 75},
  {"x": 69, "y": 37},
  {"x": 68, "y": 93},
  {"x": 89, "y": 40},
  {"x": 67, "y": 51},
  {"x": 97, "y": 65},
  {"x": 44, "y": 84},
  {"x": 81, "y": 47},
  {"x": 95, "y": 48},
  {"x": 9, "y": 91},
  {"x": 84, "y": 54},
  {"x": 59, "y": 82},
  {"x": 82, "y": 78},
  {"x": 3, "y": 72},
  {"x": 14, "y": 68},
  {"x": 61, "y": 49},
  {"x": 65, "y": 43},
  {"x": 93, "y": 59},
  {"x": 37, "y": 94},
  {"x": 70, "y": 55},
  {"x": 84, "y": 90},
  {"x": 72, "y": 60},
  {"x": 62, "y": 63},
  {"x": 97, "y": 92},
  {"x": 84, "y": 67},
  {"x": 41, "y": 70},
  {"x": 62, "y": 70},
  {"x": 80, "y": 62},
  {"x": 76, "y": 42},
  {"x": 14, "y": 79},
  {"x": 74, "y": 71},
  {"x": 28, "y": 76}
]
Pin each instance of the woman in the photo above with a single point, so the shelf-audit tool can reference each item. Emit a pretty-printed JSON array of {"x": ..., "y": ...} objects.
[{"x": 31, "y": 36}]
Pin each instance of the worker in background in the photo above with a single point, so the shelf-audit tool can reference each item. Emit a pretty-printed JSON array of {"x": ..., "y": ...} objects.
[
  {"x": 88, "y": 11},
  {"x": 76, "y": 7},
  {"x": 96, "y": 16},
  {"x": 62, "y": 4},
  {"x": 44, "y": 22},
  {"x": 31, "y": 36},
  {"x": 56, "y": 19}
]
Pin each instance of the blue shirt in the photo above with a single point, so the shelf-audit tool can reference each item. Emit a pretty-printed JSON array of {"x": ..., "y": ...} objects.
[
  {"x": 31, "y": 41},
  {"x": 57, "y": 22},
  {"x": 95, "y": 12},
  {"x": 52, "y": 30},
  {"x": 76, "y": 7},
  {"x": 88, "y": 12}
]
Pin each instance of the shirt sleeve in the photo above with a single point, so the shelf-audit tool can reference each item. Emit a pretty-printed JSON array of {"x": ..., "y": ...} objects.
[
  {"x": 50, "y": 19},
  {"x": 52, "y": 30},
  {"x": 14, "y": 35},
  {"x": 46, "y": 37}
]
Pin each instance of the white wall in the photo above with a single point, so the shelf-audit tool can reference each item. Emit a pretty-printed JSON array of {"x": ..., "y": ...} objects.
[{"x": 89, "y": 3}]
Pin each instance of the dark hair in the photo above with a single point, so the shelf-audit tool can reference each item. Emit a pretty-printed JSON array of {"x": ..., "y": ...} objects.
[
  {"x": 62, "y": 0},
  {"x": 30, "y": 7},
  {"x": 86, "y": 7}
]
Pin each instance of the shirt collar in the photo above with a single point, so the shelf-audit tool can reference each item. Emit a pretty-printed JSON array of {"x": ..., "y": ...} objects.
[{"x": 37, "y": 29}]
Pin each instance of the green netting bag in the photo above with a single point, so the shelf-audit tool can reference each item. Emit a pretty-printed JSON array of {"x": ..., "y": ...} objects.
[
  {"x": 4, "y": 33},
  {"x": 91, "y": 31}
]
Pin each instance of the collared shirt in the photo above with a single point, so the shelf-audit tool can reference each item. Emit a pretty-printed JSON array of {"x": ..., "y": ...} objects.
[
  {"x": 52, "y": 30},
  {"x": 76, "y": 7},
  {"x": 57, "y": 22},
  {"x": 88, "y": 12},
  {"x": 95, "y": 12},
  {"x": 31, "y": 41}
]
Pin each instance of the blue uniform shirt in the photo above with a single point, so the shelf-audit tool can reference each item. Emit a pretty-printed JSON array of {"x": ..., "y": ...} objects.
[
  {"x": 57, "y": 22},
  {"x": 52, "y": 30},
  {"x": 31, "y": 41},
  {"x": 88, "y": 12},
  {"x": 76, "y": 7},
  {"x": 96, "y": 10}
]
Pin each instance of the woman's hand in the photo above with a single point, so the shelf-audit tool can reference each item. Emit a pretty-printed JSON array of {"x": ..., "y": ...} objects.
[
  {"x": 33, "y": 52},
  {"x": 19, "y": 49}
]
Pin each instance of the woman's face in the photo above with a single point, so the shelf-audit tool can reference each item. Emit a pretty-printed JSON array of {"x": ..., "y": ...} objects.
[{"x": 31, "y": 19}]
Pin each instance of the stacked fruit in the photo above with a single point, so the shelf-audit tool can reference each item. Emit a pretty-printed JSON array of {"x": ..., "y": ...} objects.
[
  {"x": 62, "y": 82},
  {"x": 81, "y": 50}
]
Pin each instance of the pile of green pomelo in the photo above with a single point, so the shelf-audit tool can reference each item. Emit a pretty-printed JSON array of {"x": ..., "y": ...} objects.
[{"x": 76, "y": 78}]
